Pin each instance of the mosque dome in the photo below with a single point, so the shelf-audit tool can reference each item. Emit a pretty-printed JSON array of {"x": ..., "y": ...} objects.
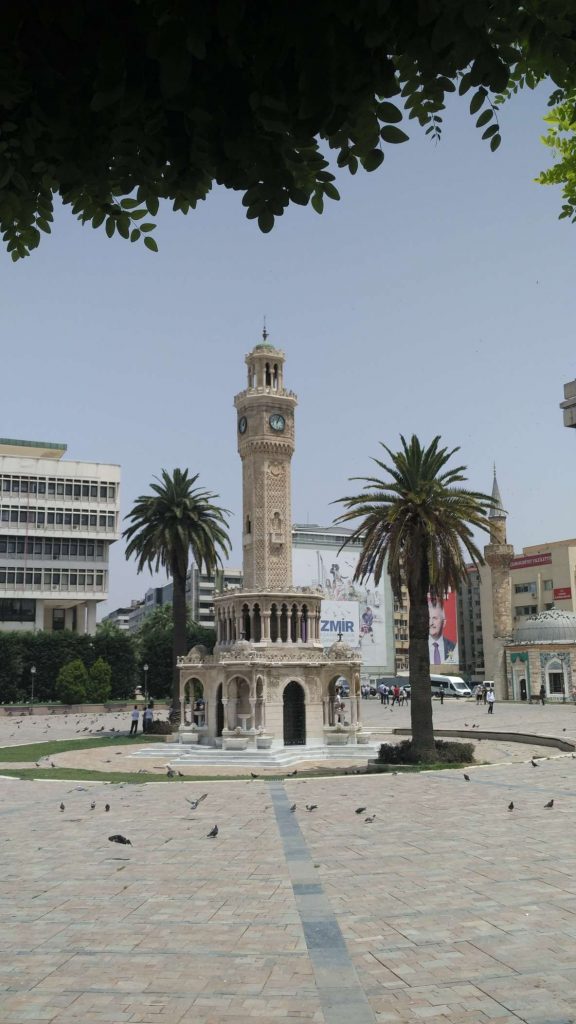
[{"x": 551, "y": 626}]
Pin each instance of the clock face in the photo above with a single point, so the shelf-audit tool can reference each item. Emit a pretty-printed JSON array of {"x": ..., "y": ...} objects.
[
  {"x": 277, "y": 422},
  {"x": 242, "y": 424}
]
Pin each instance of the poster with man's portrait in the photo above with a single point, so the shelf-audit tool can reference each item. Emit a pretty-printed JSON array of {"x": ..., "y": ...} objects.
[{"x": 443, "y": 631}]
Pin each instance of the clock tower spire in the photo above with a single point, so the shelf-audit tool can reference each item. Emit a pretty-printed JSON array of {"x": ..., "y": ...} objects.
[{"x": 266, "y": 445}]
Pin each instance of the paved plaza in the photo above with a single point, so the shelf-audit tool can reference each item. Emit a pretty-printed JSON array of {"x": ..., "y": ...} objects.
[{"x": 447, "y": 907}]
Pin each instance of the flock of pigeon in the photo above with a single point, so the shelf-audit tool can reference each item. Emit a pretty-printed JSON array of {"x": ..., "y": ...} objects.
[{"x": 534, "y": 764}]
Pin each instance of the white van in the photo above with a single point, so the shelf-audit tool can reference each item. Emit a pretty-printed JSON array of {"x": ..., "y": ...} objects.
[{"x": 453, "y": 686}]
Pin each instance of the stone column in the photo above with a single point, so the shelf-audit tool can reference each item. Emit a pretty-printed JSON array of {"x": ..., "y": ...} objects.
[
  {"x": 232, "y": 721},
  {"x": 182, "y": 710},
  {"x": 91, "y": 617},
  {"x": 265, "y": 619},
  {"x": 39, "y": 615},
  {"x": 298, "y": 626},
  {"x": 252, "y": 702},
  {"x": 81, "y": 619}
]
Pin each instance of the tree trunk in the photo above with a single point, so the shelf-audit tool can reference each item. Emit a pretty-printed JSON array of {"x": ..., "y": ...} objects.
[
  {"x": 419, "y": 661},
  {"x": 179, "y": 640}
]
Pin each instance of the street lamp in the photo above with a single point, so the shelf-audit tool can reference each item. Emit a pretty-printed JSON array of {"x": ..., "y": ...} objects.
[
  {"x": 145, "y": 667},
  {"x": 32, "y": 676}
]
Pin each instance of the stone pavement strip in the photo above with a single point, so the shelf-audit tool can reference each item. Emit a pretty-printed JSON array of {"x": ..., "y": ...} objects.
[{"x": 447, "y": 907}]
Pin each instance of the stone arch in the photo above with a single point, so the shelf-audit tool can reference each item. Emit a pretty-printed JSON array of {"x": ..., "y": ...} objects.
[
  {"x": 267, "y": 375},
  {"x": 334, "y": 699},
  {"x": 219, "y": 710},
  {"x": 274, "y": 623},
  {"x": 246, "y": 630},
  {"x": 256, "y": 624},
  {"x": 555, "y": 679},
  {"x": 284, "y": 624},
  {"x": 192, "y": 691},
  {"x": 294, "y": 714}
]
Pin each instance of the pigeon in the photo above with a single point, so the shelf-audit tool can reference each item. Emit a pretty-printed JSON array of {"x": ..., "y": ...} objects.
[
  {"x": 213, "y": 833},
  {"x": 194, "y": 803},
  {"x": 466, "y": 777},
  {"x": 311, "y": 807},
  {"x": 170, "y": 772},
  {"x": 549, "y": 804},
  {"x": 290, "y": 774},
  {"x": 534, "y": 763},
  {"x": 119, "y": 839},
  {"x": 107, "y": 808},
  {"x": 511, "y": 805},
  {"x": 253, "y": 774},
  {"x": 52, "y": 765},
  {"x": 93, "y": 805},
  {"x": 62, "y": 807},
  {"x": 181, "y": 774},
  {"x": 360, "y": 810},
  {"x": 293, "y": 808},
  {"x": 371, "y": 818},
  {"x": 466, "y": 726}
]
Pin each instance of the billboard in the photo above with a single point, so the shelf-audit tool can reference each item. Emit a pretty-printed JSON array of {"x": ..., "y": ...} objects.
[
  {"x": 339, "y": 617},
  {"x": 333, "y": 572},
  {"x": 443, "y": 631}
]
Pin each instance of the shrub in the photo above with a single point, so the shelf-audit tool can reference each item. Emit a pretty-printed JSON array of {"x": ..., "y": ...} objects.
[
  {"x": 100, "y": 682},
  {"x": 72, "y": 682},
  {"x": 160, "y": 728},
  {"x": 447, "y": 752}
]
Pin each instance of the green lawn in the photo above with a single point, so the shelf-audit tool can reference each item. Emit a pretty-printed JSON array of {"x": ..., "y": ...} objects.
[{"x": 34, "y": 751}]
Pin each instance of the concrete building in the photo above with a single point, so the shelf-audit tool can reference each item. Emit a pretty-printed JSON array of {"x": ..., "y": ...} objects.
[
  {"x": 202, "y": 589},
  {"x": 270, "y": 682},
  {"x": 569, "y": 404},
  {"x": 323, "y": 558},
  {"x": 57, "y": 522},
  {"x": 470, "y": 638}
]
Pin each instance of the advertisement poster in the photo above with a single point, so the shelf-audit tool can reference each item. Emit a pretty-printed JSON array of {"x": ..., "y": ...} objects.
[
  {"x": 339, "y": 617},
  {"x": 443, "y": 635},
  {"x": 333, "y": 572}
]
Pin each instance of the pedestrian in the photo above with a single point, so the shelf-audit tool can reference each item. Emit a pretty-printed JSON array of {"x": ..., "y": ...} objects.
[
  {"x": 406, "y": 693},
  {"x": 382, "y": 690},
  {"x": 147, "y": 718},
  {"x": 396, "y": 695},
  {"x": 441, "y": 693},
  {"x": 485, "y": 691},
  {"x": 490, "y": 699},
  {"x": 135, "y": 717},
  {"x": 542, "y": 695},
  {"x": 479, "y": 692}
]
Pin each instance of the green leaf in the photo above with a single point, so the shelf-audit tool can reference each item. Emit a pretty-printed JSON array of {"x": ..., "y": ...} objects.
[
  {"x": 98, "y": 219},
  {"x": 331, "y": 191},
  {"x": 392, "y": 134},
  {"x": 477, "y": 100},
  {"x": 484, "y": 118},
  {"x": 110, "y": 226},
  {"x": 266, "y": 221},
  {"x": 372, "y": 160},
  {"x": 490, "y": 131},
  {"x": 389, "y": 112},
  {"x": 147, "y": 227},
  {"x": 129, "y": 204},
  {"x": 317, "y": 202},
  {"x": 150, "y": 243},
  {"x": 134, "y": 235},
  {"x": 495, "y": 142},
  {"x": 152, "y": 203}
]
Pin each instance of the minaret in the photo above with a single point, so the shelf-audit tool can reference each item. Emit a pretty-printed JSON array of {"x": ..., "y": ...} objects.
[
  {"x": 498, "y": 555},
  {"x": 266, "y": 445}
]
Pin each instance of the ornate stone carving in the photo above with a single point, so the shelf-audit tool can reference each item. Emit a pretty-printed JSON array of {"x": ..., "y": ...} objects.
[{"x": 340, "y": 651}]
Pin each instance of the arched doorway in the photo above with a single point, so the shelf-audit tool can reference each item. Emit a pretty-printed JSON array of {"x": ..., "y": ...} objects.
[
  {"x": 219, "y": 711},
  {"x": 294, "y": 715}
]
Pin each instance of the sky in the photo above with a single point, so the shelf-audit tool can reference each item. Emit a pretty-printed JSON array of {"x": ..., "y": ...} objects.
[{"x": 437, "y": 297}]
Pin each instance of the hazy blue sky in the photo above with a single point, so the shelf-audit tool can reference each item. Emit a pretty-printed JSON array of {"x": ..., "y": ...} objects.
[{"x": 437, "y": 297}]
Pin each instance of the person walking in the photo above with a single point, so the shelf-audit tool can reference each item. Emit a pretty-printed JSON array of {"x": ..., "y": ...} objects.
[
  {"x": 486, "y": 691},
  {"x": 441, "y": 693},
  {"x": 147, "y": 718},
  {"x": 542, "y": 695},
  {"x": 135, "y": 716},
  {"x": 406, "y": 693},
  {"x": 396, "y": 695},
  {"x": 382, "y": 690},
  {"x": 490, "y": 700}
]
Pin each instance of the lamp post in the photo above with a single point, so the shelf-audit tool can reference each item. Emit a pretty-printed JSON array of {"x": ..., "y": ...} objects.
[
  {"x": 32, "y": 677},
  {"x": 145, "y": 667}
]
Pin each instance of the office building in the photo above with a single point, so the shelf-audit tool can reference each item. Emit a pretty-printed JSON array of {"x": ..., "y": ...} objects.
[{"x": 57, "y": 521}]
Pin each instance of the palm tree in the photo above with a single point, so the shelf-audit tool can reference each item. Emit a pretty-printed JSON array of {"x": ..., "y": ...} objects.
[
  {"x": 415, "y": 525},
  {"x": 178, "y": 518}
]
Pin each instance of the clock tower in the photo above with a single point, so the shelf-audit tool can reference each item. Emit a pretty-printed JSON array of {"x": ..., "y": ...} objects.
[{"x": 265, "y": 427}]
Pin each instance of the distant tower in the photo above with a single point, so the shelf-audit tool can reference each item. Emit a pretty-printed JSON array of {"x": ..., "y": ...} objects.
[
  {"x": 498, "y": 555},
  {"x": 266, "y": 445}
]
